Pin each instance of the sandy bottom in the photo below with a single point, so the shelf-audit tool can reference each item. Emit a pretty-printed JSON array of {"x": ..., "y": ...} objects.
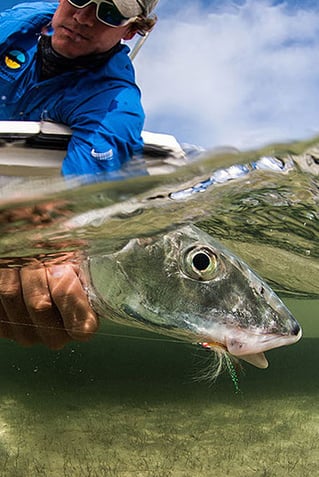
[{"x": 123, "y": 407}]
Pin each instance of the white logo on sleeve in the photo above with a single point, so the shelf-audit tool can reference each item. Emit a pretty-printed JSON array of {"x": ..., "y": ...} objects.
[{"x": 102, "y": 156}]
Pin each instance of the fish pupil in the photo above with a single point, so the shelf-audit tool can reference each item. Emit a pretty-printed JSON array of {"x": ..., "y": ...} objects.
[{"x": 201, "y": 261}]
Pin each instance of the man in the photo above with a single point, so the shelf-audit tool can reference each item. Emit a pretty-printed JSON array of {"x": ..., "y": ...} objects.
[{"x": 66, "y": 63}]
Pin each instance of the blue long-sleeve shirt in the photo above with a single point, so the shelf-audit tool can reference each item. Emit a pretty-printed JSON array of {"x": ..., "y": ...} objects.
[{"x": 101, "y": 105}]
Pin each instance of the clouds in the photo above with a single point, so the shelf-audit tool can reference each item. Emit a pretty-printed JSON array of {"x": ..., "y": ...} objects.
[
  {"x": 232, "y": 72},
  {"x": 242, "y": 75}
]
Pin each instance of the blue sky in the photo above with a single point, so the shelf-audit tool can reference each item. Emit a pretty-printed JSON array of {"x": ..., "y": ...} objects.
[{"x": 238, "y": 73}]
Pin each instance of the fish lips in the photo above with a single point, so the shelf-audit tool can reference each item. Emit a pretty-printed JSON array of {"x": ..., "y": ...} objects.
[{"x": 250, "y": 347}]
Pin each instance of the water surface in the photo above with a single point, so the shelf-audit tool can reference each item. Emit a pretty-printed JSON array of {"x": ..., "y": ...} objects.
[{"x": 128, "y": 403}]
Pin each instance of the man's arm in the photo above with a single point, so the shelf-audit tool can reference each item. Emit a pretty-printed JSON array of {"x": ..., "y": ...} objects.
[
  {"x": 43, "y": 298},
  {"x": 106, "y": 134}
]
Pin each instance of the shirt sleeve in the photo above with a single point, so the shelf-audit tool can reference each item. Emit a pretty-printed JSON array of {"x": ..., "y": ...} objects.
[
  {"x": 106, "y": 132},
  {"x": 11, "y": 18}
]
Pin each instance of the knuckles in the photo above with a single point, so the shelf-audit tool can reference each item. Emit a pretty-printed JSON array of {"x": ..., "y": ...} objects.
[{"x": 37, "y": 303}]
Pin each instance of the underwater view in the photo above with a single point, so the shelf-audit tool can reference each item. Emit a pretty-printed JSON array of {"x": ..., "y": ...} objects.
[
  {"x": 202, "y": 264},
  {"x": 133, "y": 401}
]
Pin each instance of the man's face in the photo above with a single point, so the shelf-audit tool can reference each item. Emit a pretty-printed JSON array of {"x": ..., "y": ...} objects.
[{"x": 77, "y": 31}]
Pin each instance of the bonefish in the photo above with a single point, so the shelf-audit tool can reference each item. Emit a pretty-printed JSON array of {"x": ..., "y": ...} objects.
[{"x": 185, "y": 283}]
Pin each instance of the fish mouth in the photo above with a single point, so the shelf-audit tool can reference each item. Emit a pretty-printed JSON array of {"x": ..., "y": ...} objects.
[{"x": 250, "y": 347}]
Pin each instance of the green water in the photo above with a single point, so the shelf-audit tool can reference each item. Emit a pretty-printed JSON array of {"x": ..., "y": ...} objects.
[
  {"x": 128, "y": 403},
  {"x": 120, "y": 406}
]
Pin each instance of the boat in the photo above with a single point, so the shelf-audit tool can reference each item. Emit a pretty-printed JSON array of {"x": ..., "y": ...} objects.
[{"x": 37, "y": 148}]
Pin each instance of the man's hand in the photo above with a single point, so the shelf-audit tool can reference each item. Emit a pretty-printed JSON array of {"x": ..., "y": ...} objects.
[{"x": 45, "y": 303}]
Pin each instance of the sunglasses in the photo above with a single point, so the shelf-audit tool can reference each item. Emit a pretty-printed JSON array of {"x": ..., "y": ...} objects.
[{"x": 106, "y": 12}]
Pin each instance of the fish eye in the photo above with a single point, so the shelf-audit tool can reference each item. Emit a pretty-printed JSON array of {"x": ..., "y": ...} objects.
[{"x": 200, "y": 263}]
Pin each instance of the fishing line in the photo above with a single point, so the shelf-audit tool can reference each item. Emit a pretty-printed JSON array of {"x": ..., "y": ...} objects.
[
  {"x": 228, "y": 360},
  {"x": 99, "y": 333}
]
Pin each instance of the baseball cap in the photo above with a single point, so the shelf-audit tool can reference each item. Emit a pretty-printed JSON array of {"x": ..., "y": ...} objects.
[{"x": 134, "y": 8}]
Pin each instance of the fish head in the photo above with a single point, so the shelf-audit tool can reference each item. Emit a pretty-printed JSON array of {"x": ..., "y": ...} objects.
[{"x": 188, "y": 284}]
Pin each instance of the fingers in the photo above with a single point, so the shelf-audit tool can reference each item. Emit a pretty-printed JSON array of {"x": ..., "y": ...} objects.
[
  {"x": 71, "y": 300},
  {"x": 42, "y": 311},
  {"x": 45, "y": 304},
  {"x": 16, "y": 323},
  {"x": 5, "y": 329}
]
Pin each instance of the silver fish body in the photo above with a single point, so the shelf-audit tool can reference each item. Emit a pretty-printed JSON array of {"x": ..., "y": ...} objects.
[{"x": 184, "y": 283}]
